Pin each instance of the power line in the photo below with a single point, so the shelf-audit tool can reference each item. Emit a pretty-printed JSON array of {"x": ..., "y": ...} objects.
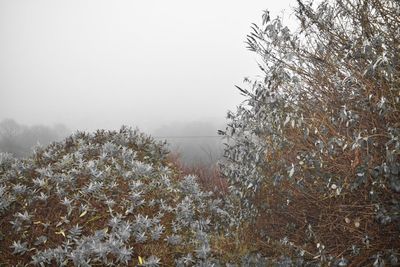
[{"x": 187, "y": 136}]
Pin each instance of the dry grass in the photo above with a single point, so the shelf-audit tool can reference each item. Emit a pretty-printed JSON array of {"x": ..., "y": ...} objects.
[{"x": 209, "y": 175}]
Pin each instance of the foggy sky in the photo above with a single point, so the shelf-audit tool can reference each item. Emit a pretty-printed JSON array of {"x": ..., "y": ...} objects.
[{"x": 99, "y": 64}]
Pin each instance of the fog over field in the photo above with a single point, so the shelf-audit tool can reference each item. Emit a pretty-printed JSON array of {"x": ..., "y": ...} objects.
[
  {"x": 151, "y": 64},
  {"x": 195, "y": 142}
]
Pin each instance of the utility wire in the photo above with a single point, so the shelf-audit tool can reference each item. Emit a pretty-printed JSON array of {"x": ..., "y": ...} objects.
[{"x": 187, "y": 137}]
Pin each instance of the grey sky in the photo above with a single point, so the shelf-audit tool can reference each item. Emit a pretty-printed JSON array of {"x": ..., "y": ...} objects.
[{"x": 99, "y": 64}]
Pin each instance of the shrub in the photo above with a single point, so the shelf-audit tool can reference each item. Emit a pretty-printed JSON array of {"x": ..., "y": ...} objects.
[
  {"x": 107, "y": 198},
  {"x": 314, "y": 156}
]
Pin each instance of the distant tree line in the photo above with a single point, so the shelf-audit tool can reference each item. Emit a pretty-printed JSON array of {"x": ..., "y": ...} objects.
[{"x": 19, "y": 139}]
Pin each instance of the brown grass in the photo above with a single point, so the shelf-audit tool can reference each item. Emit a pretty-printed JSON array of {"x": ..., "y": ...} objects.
[{"x": 209, "y": 176}]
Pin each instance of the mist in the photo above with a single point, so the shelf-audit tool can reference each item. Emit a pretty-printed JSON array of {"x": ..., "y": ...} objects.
[
  {"x": 166, "y": 67},
  {"x": 194, "y": 142},
  {"x": 20, "y": 140}
]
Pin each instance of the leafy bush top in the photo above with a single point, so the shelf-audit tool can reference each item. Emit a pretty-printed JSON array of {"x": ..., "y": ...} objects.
[{"x": 108, "y": 198}]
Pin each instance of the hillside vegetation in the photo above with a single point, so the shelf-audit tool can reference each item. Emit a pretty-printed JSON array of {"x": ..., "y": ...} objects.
[
  {"x": 311, "y": 166},
  {"x": 105, "y": 198}
]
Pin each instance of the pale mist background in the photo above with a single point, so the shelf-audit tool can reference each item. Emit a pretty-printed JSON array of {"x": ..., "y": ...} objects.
[{"x": 167, "y": 67}]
